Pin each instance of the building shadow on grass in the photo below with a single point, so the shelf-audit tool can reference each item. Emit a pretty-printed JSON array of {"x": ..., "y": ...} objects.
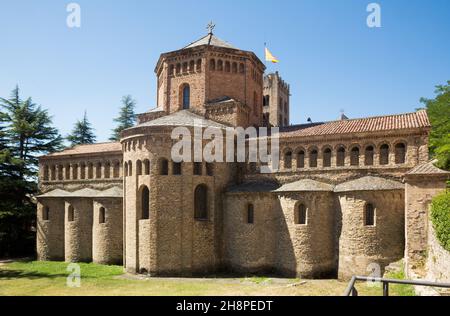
[{"x": 10, "y": 274}]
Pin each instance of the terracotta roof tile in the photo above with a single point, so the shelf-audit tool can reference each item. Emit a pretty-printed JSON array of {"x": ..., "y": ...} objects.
[
  {"x": 88, "y": 149},
  {"x": 417, "y": 119}
]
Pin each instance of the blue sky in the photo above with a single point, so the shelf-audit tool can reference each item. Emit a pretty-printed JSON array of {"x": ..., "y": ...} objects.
[{"x": 330, "y": 57}]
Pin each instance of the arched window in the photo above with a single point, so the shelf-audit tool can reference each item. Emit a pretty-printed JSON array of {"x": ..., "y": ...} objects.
[
  {"x": 67, "y": 172},
  {"x": 300, "y": 159},
  {"x": 107, "y": 170},
  {"x": 147, "y": 167},
  {"x": 340, "y": 157},
  {"x": 145, "y": 203},
  {"x": 384, "y": 154},
  {"x": 250, "y": 214},
  {"x": 369, "y": 215},
  {"x": 74, "y": 171},
  {"x": 46, "y": 213},
  {"x": 227, "y": 66},
  {"x": 368, "y": 156},
  {"x": 171, "y": 70},
  {"x": 212, "y": 64},
  {"x": 198, "y": 168},
  {"x": 313, "y": 158},
  {"x": 400, "y": 153},
  {"x": 98, "y": 170},
  {"x": 220, "y": 65},
  {"x": 199, "y": 65},
  {"x": 354, "y": 156},
  {"x": 46, "y": 172},
  {"x": 82, "y": 171},
  {"x": 300, "y": 214},
  {"x": 101, "y": 215},
  {"x": 234, "y": 67},
  {"x": 176, "y": 168},
  {"x": 186, "y": 96},
  {"x": 90, "y": 171},
  {"x": 201, "y": 202},
  {"x": 288, "y": 160},
  {"x": 138, "y": 168},
  {"x": 70, "y": 214},
  {"x": 130, "y": 168},
  {"x": 326, "y": 161},
  {"x": 178, "y": 69},
  {"x": 185, "y": 67},
  {"x": 241, "y": 68},
  {"x": 209, "y": 169},
  {"x": 60, "y": 172},
  {"x": 116, "y": 170},
  {"x": 266, "y": 100},
  {"x": 125, "y": 168},
  {"x": 191, "y": 66},
  {"x": 53, "y": 173},
  {"x": 163, "y": 167}
]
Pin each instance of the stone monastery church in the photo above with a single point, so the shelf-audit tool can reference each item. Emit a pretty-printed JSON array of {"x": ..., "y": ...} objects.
[{"x": 349, "y": 193}]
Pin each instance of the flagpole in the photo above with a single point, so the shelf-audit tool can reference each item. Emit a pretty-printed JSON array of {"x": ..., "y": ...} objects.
[{"x": 265, "y": 60}]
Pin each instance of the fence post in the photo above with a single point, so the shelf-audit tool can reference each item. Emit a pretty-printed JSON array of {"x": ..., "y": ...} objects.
[{"x": 385, "y": 288}]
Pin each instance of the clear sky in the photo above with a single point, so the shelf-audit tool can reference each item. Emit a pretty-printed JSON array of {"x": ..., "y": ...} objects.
[{"x": 328, "y": 55}]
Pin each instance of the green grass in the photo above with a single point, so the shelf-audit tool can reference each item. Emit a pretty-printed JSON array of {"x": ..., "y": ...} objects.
[
  {"x": 49, "y": 278},
  {"x": 400, "y": 289}
]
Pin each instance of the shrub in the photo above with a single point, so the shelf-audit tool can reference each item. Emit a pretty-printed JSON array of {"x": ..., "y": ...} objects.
[{"x": 440, "y": 216}]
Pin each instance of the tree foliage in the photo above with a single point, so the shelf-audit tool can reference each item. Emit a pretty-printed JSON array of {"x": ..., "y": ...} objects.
[
  {"x": 440, "y": 216},
  {"x": 82, "y": 133},
  {"x": 126, "y": 118},
  {"x": 438, "y": 110},
  {"x": 26, "y": 132}
]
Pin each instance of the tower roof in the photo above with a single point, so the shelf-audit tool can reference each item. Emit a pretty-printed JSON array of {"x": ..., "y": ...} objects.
[{"x": 210, "y": 40}]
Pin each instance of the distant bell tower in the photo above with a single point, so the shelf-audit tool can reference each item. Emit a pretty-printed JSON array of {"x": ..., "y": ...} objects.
[{"x": 275, "y": 101}]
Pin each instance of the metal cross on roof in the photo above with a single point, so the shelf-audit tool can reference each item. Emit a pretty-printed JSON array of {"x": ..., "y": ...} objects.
[{"x": 210, "y": 27}]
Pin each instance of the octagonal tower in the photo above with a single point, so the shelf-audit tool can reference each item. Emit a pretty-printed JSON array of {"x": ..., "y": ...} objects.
[{"x": 213, "y": 78}]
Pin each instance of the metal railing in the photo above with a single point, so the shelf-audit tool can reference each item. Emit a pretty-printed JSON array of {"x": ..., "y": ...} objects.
[{"x": 352, "y": 291}]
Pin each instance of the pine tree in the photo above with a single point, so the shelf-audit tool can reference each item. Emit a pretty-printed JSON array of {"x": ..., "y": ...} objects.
[
  {"x": 126, "y": 119},
  {"x": 82, "y": 133},
  {"x": 26, "y": 132}
]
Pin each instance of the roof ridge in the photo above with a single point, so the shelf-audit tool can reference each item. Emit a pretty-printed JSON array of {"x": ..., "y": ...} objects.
[
  {"x": 374, "y": 117},
  {"x": 195, "y": 41}
]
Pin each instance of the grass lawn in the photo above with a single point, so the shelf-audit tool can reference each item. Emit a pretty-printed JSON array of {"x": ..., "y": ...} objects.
[{"x": 49, "y": 278}]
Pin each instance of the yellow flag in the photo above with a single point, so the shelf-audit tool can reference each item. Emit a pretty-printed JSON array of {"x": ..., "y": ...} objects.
[{"x": 270, "y": 57}]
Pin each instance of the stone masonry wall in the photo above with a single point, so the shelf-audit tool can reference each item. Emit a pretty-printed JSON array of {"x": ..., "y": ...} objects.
[
  {"x": 306, "y": 250},
  {"x": 107, "y": 237},
  {"x": 418, "y": 195},
  {"x": 50, "y": 233},
  {"x": 360, "y": 246},
  {"x": 78, "y": 233},
  {"x": 250, "y": 247}
]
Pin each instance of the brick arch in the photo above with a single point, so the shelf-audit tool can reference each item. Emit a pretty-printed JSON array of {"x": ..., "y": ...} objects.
[
  {"x": 313, "y": 153},
  {"x": 399, "y": 152},
  {"x": 300, "y": 154},
  {"x": 287, "y": 158},
  {"x": 326, "y": 156},
  {"x": 383, "y": 153},
  {"x": 212, "y": 64},
  {"x": 184, "y": 96}
]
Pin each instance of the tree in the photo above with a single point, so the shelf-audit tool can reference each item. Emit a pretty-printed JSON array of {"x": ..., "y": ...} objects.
[
  {"x": 438, "y": 110},
  {"x": 82, "y": 133},
  {"x": 126, "y": 119},
  {"x": 26, "y": 132}
]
